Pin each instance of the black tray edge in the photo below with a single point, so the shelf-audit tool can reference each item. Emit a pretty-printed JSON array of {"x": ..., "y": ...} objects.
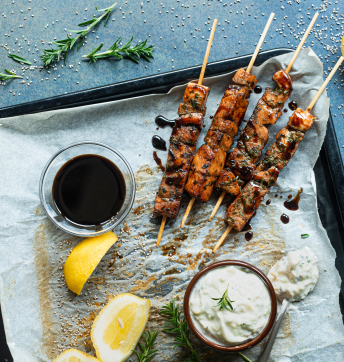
[{"x": 154, "y": 84}]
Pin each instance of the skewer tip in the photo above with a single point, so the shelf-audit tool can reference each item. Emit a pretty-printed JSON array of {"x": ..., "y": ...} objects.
[{"x": 162, "y": 227}]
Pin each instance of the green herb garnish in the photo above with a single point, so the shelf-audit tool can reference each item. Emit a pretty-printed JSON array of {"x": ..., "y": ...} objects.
[
  {"x": 146, "y": 350},
  {"x": 64, "y": 45},
  {"x": 9, "y": 75},
  {"x": 244, "y": 358},
  {"x": 224, "y": 301},
  {"x": 178, "y": 326},
  {"x": 19, "y": 59},
  {"x": 304, "y": 236},
  {"x": 139, "y": 50}
]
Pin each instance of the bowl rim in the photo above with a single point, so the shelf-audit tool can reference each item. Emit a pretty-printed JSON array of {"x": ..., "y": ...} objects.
[
  {"x": 82, "y": 143},
  {"x": 250, "y": 343}
]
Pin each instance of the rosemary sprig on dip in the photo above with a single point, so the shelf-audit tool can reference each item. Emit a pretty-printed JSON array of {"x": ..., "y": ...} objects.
[
  {"x": 19, "y": 59},
  {"x": 64, "y": 45},
  {"x": 139, "y": 50},
  {"x": 178, "y": 326},
  {"x": 146, "y": 351},
  {"x": 9, "y": 75},
  {"x": 224, "y": 301}
]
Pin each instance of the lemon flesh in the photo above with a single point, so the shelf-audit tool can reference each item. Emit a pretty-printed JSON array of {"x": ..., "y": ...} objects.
[
  {"x": 118, "y": 327},
  {"x": 84, "y": 259},
  {"x": 73, "y": 355},
  {"x": 342, "y": 46}
]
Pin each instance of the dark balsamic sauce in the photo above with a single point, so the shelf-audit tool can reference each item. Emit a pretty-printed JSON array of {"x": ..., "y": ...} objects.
[
  {"x": 285, "y": 110},
  {"x": 159, "y": 143},
  {"x": 268, "y": 202},
  {"x": 292, "y": 105},
  {"x": 89, "y": 190},
  {"x": 285, "y": 218},
  {"x": 294, "y": 203},
  {"x": 247, "y": 227},
  {"x": 249, "y": 235},
  {"x": 258, "y": 89},
  {"x": 162, "y": 122},
  {"x": 158, "y": 161}
]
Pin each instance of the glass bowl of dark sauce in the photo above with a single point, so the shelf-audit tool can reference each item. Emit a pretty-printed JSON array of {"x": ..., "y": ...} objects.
[{"x": 87, "y": 188}]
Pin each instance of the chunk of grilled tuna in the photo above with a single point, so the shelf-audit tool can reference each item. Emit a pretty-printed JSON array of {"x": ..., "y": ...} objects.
[
  {"x": 187, "y": 135},
  {"x": 245, "y": 78},
  {"x": 264, "y": 114},
  {"x": 240, "y": 163},
  {"x": 208, "y": 161},
  {"x": 228, "y": 182},
  {"x": 233, "y": 104},
  {"x": 194, "y": 100},
  {"x": 275, "y": 98},
  {"x": 200, "y": 185},
  {"x": 218, "y": 139},
  {"x": 283, "y": 81},
  {"x": 301, "y": 120},
  {"x": 244, "y": 206},
  {"x": 190, "y": 119}
]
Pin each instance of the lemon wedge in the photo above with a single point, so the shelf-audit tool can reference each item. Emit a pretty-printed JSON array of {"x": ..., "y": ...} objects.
[
  {"x": 342, "y": 46},
  {"x": 84, "y": 258},
  {"x": 73, "y": 355},
  {"x": 118, "y": 327}
]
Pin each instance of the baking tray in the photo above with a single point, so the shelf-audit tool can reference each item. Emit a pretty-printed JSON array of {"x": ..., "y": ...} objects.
[{"x": 329, "y": 170}]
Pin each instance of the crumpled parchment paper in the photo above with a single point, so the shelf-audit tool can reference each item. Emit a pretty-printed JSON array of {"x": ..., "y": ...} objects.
[{"x": 42, "y": 317}]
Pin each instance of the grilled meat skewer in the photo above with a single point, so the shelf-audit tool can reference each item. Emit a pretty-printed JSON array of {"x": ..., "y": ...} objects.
[{"x": 183, "y": 142}]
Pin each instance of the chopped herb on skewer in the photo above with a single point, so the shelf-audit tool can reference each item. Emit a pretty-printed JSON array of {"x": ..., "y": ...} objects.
[
  {"x": 19, "y": 59},
  {"x": 9, "y": 75},
  {"x": 64, "y": 45},
  {"x": 139, "y": 50},
  {"x": 224, "y": 301}
]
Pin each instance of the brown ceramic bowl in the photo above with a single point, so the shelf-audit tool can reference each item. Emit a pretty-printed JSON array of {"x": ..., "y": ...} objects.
[{"x": 252, "y": 342}]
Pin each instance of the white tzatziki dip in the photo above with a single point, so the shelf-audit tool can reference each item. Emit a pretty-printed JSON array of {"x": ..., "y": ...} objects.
[
  {"x": 295, "y": 275},
  {"x": 251, "y": 305}
]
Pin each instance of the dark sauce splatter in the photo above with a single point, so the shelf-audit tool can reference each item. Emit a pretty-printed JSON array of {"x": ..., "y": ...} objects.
[
  {"x": 285, "y": 110},
  {"x": 268, "y": 202},
  {"x": 162, "y": 122},
  {"x": 158, "y": 161},
  {"x": 285, "y": 218},
  {"x": 294, "y": 203},
  {"x": 276, "y": 195},
  {"x": 292, "y": 105},
  {"x": 249, "y": 235},
  {"x": 159, "y": 143},
  {"x": 247, "y": 227},
  {"x": 258, "y": 89}
]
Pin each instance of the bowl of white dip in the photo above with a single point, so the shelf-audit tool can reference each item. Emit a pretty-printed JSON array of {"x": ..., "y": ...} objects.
[{"x": 230, "y": 305}]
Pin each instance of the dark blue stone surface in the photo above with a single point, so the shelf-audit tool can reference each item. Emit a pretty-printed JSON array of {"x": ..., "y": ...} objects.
[{"x": 178, "y": 29}]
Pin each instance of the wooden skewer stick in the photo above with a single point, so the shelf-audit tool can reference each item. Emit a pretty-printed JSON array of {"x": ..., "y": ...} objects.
[
  {"x": 259, "y": 45},
  {"x": 316, "y": 97},
  {"x": 297, "y": 51},
  {"x": 200, "y": 80},
  {"x": 218, "y": 204},
  {"x": 187, "y": 211},
  {"x": 223, "y": 237},
  {"x": 339, "y": 62},
  {"x": 162, "y": 227},
  {"x": 205, "y": 61}
]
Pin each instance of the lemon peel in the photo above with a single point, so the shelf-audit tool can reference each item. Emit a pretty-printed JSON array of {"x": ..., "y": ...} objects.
[
  {"x": 118, "y": 327},
  {"x": 342, "y": 46},
  {"x": 74, "y": 355},
  {"x": 84, "y": 258}
]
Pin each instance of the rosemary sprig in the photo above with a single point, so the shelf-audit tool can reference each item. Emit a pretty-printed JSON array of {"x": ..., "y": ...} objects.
[
  {"x": 64, "y": 45},
  {"x": 224, "y": 301},
  {"x": 146, "y": 351},
  {"x": 19, "y": 59},
  {"x": 244, "y": 358},
  {"x": 9, "y": 75},
  {"x": 139, "y": 50},
  {"x": 178, "y": 326}
]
